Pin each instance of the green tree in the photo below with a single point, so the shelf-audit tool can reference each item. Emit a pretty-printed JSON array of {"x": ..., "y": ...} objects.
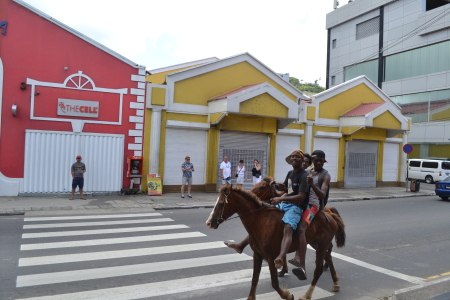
[{"x": 307, "y": 86}]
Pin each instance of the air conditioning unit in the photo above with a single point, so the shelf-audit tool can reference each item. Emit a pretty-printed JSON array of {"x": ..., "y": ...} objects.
[{"x": 335, "y": 4}]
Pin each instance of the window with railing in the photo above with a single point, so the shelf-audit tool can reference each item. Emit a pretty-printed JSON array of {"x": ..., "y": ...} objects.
[{"x": 432, "y": 4}]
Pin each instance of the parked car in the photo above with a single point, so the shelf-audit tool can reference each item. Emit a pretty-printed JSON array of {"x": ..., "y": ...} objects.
[
  {"x": 428, "y": 169},
  {"x": 443, "y": 189}
]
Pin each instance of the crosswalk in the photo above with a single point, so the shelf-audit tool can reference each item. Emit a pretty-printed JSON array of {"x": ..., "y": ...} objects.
[{"x": 126, "y": 256}]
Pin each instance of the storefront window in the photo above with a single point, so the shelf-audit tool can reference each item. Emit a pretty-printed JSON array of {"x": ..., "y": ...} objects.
[
  {"x": 425, "y": 107},
  {"x": 426, "y": 60},
  {"x": 369, "y": 68}
]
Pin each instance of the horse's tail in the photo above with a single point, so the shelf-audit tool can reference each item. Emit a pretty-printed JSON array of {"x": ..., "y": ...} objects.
[{"x": 340, "y": 234}]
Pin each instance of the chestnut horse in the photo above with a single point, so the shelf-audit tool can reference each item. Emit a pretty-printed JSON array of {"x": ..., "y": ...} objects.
[{"x": 265, "y": 229}]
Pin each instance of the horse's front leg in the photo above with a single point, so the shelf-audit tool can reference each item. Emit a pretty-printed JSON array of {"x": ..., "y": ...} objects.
[
  {"x": 257, "y": 263},
  {"x": 284, "y": 294},
  {"x": 320, "y": 254}
]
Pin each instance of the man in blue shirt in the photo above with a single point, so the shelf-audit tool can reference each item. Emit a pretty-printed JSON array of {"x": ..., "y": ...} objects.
[{"x": 187, "y": 168}]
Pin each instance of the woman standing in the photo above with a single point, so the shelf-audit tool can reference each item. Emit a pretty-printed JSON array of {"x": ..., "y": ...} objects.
[
  {"x": 256, "y": 172},
  {"x": 240, "y": 172}
]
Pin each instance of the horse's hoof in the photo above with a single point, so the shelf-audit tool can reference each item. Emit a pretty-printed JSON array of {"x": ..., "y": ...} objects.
[{"x": 335, "y": 288}]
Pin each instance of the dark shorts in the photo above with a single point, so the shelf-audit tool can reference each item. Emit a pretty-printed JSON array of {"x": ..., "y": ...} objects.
[{"x": 77, "y": 181}]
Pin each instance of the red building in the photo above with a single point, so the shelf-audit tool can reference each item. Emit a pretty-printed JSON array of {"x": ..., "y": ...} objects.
[{"x": 63, "y": 94}]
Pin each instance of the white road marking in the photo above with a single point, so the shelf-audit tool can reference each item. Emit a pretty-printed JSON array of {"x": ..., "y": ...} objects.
[
  {"x": 90, "y": 274},
  {"x": 360, "y": 263},
  {"x": 106, "y": 223},
  {"x": 99, "y": 231},
  {"x": 69, "y": 258},
  {"x": 91, "y": 217},
  {"x": 162, "y": 288},
  {"x": 297, "y": 292},
  {"x": 133, "y": 239}
]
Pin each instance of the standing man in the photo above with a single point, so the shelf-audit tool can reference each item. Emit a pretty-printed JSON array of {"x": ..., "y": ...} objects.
[
  {"x": 77, "y": 170},
  {"x": 225, "y": 171},
  {"x": 187, "y": 168}
]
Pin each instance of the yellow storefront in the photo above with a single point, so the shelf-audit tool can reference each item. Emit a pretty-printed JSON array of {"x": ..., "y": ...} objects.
[{"x": 240, "y": 108}]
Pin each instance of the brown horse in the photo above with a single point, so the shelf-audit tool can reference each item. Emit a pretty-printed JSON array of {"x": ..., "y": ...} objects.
[{"x": 265, "y": 229}]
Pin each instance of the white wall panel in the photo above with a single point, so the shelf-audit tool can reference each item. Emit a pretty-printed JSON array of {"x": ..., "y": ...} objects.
[
  {"x": 330, "y": 147},
  {"x": 49, "y": 156},
  {"x": 285, "y": 144},
  {"x": 179, "y": 143},
  {"x": 390, "y": 162}
]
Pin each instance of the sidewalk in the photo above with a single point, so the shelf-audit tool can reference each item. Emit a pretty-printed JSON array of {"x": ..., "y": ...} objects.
[{"x": 20, "y": 205}]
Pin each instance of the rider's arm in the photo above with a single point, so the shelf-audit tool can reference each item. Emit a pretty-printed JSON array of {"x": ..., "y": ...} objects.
[{"x": 322, "y": 191}]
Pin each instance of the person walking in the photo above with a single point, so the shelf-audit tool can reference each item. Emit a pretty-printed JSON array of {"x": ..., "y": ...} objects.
[
  {"x": 240, "y": 173},
  {"x": 225, "y": 171},
  {"x": 77, "y": 171},
  {"x": 256, "y": 172},
  {"x": 187, "y": 168}
]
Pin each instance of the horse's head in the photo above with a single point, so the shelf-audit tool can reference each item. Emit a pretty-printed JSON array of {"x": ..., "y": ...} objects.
[
  {"x": 223, "y": 208},
  {"x": 268, "y": 188}
]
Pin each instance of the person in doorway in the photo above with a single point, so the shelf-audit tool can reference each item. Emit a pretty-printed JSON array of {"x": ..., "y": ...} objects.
[
  {"x": 256, "y": 172},
  {"x": 225, "y": 171},
  {"x": 240, "y": 172},
  {"x": 77, "y": 171},
  {"x": 293, "y": 204},
  {"x": 187, "y": 168}
]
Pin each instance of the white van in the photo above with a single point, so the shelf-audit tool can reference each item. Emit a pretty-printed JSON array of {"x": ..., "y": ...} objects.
[{"x": 429, "y": 170}]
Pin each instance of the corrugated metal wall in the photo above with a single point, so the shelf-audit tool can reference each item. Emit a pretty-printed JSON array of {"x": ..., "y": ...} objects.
[
  {"x": 248, "y": 146},
  {"x": 49, "y": 156}
]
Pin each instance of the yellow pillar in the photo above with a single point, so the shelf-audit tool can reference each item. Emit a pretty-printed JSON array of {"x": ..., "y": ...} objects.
[
  {"x": 341, "y": 163},
  {"x": 380, "y": 163},
  {"x": 272, "y": 153},
  {"x": 162, "y": 145},
  {"x": 212, "y": 159},
  {"x": 146, "y": 150}
]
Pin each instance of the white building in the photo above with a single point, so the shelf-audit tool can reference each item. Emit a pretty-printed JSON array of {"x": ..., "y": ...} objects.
[{"x": 403, "y": 46}]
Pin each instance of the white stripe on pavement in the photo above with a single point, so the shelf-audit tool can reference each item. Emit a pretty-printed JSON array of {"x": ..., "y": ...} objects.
[
  {"x": 162, "y": 288},
  {"x": 105, "y": 223},
  {"x": 99, "y": 231},
  {"x": 297, "y": 292},
  {"x": 375, "y": 268},
  {"x": 97, "y": 273},
  {"x": 133, "y": 239},
  {"x": 91, "y": 217},
  {"x": 69, "y": 258}
]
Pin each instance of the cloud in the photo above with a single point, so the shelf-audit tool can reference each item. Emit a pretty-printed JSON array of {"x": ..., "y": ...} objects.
[{"x": 288, "y": 36}]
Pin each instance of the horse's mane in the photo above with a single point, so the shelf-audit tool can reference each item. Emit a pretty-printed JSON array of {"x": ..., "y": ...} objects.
[{"x": 246, "y": 194}]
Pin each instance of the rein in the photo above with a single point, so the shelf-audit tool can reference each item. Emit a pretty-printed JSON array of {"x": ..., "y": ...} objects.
[{"x": 221, "y": 220}]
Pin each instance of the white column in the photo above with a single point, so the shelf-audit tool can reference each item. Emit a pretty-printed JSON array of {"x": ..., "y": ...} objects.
[
  {"x": 308, "y": 137},
  {"x": 155, "y": 137},
  {"x": 403, "y": 159}
]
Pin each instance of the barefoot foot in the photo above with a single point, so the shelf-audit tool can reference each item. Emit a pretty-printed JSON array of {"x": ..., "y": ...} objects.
[
  {"x": 278, "y": 263},
  {"x": 234, "y": 246}
]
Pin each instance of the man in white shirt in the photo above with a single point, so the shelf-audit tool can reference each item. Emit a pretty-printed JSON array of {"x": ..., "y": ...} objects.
[{"x": 225, "y": 171}]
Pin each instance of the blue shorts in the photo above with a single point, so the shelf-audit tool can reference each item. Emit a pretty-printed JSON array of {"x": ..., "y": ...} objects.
[
  {"x": 77, "y": 181},
  {"x": 292, "y": 213}
]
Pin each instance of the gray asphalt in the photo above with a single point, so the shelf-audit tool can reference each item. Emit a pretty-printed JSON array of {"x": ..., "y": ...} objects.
[{"x": 405, "y": 235}]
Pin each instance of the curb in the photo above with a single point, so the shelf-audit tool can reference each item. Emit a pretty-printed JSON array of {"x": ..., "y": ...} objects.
[{"x": 156, "y": 207}]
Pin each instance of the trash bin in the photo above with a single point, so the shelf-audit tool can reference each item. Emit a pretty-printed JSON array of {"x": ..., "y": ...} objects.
[{"x": 415, "y": 185}]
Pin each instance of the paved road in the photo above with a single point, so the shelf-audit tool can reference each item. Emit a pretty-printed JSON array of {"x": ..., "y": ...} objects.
[{"x": 391, "y": 244}]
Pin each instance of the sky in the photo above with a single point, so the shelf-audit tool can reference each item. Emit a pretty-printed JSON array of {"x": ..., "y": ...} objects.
[{"x": 286, "y": 35}]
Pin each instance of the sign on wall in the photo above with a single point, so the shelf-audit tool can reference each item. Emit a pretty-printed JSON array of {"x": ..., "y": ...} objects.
[{"x": 77, "y": 108}]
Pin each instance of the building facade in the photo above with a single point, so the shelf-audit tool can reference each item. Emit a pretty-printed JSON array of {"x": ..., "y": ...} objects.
[
  {"x": 63, "y": 94},
  {"x": 238, "y": 107},
  {"x": 404, "y": 47}
]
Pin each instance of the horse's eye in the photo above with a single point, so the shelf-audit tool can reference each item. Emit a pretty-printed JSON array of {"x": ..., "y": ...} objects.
[{"x": 261, "y": 187}]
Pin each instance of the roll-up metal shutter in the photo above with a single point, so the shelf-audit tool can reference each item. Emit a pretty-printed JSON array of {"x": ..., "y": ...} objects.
[
  {"x": 285, "y": 144},
  {"x": 331, "y": 148},
  {"x": 179, "y": 143},
  {"x": 248, "y": 146},
  {"x": 49, "y": 156},
  {"x": 361, "y": 164},
  {"x": 390, "y": 162}
]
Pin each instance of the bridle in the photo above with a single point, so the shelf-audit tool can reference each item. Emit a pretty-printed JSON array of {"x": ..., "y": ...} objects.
[{"x": 222, "y": 204}]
